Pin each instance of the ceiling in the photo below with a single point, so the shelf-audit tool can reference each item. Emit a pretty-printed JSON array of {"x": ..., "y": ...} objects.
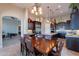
[{"x": 57, "y": 9}]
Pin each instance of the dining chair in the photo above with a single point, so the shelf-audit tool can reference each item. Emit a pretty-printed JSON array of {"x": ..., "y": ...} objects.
[
  {"x": 37, "y": 53},
  {"x": 56, "y": 51},
  {"x": 39, "y": 36},
  {"x": 59, "y": 49},
  {"x": 23, "y": 46},
  {"x": 30, "y": 48}
]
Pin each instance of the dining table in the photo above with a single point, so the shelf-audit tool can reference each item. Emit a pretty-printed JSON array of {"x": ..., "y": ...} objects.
[{"x": 44, "y": 46}]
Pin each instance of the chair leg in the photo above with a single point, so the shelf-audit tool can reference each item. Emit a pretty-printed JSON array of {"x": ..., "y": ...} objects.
[
  {"x": 26, "y": 53},
  {"x": 22, "y": 50}
]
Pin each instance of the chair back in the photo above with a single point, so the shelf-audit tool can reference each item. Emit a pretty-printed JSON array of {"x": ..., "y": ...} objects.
[
  {"x": 39, "y": 36},
  {"x": 48, "y": 37},
  {"x": 60, "y": 47},
  {"x": 23, "y": 46},
  {"x": 28, "y": 40},
  {"x": 22, "y": 40}
]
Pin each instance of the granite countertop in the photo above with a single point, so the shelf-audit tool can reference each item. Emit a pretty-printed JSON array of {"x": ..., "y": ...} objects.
[
  {"x": 30, "y": 33},
  {"x": 50, "y": 34},
  {"x": 72, "y": 35}
]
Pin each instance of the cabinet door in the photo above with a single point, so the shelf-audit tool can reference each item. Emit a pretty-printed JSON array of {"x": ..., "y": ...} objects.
[
  {"x": 30, "y": 26},
  {"x": 38, "y": 27}
]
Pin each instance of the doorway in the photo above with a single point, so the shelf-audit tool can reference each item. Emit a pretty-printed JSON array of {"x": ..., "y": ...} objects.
[{"x": 10, "y": 30}]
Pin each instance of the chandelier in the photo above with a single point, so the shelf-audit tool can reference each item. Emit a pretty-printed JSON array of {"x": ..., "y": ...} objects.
[{"x": 37, "y": 11}]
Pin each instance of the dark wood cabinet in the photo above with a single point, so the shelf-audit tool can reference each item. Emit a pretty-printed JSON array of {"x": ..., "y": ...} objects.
[
  {"x": 52, "y": 27},
  {"x": 37, "y": 27},
  {"x": 30, "y": 24}
]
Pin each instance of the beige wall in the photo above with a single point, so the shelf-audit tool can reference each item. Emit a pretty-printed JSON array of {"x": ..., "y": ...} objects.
[
  {"x": 0, "y": 32},
  {"x": 45, "y": 27},
  {"x": 10, "y": 10}
]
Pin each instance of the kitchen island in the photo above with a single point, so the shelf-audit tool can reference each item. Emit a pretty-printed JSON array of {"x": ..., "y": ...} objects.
[{"x": 72, "y": 42}]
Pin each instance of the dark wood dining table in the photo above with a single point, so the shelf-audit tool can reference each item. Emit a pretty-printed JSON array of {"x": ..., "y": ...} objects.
[{"x": 44, "y": 46}]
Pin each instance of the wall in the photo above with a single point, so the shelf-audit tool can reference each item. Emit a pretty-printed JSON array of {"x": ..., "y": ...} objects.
[
  {"x": 11, "y": 10},
  {"x": 7, "y": 9},
  {"x": 1, "y": 32},
  {"x": 45, "y": 27}
]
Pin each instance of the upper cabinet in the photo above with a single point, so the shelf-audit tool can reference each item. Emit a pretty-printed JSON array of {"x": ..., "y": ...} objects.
[
  {"x": 30, "y": 24},
  {"x": 37, "y": 27}
]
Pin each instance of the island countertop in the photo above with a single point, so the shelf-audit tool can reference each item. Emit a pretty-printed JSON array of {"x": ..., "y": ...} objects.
[{"x": 49, "y": 34}]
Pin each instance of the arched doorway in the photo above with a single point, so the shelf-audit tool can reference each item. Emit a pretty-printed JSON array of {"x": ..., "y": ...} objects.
[{"x": 11, "y": 30}]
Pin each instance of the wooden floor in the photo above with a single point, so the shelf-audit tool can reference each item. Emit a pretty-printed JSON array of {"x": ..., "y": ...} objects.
[{"x": 14, "y": 50}]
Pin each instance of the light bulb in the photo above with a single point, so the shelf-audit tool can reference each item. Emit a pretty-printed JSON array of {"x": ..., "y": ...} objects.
[
  {"x": 34, "y": 8},
  {"x": 40, "y": 9},
  {"x": 36, "y": 13},
  {"x": 32, "y": 11},
  {"x": 40, "y": 12}
]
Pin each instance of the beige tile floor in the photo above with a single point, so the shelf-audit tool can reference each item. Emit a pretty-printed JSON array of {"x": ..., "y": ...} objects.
[
  {"x": 14, "y": 49},
  {"x": 66, "y": 52}
]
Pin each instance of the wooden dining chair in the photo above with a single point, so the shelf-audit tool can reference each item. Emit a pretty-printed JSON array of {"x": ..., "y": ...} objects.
[
  {"x": 30, "y": 49},
  {"x": 23, "y": 46},
  {"x": 37, "y": 53},
  {"x": 58, "y": 51}
]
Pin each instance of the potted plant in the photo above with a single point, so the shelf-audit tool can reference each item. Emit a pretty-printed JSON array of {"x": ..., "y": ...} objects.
[
  {"x": 74, "y": 15},
  {"x": 74, "y": 7}
]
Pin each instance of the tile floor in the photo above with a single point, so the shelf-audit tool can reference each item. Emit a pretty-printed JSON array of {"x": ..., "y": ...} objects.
[{"x": 13, "y": 49}]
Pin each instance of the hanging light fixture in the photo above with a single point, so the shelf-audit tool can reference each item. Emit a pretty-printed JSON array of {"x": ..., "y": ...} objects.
[
  {"x": 36, "y": 10},
  {"x": 49, "y": 14}
]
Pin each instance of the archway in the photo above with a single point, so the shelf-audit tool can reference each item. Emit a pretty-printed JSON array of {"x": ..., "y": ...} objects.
[{"x": 11, "y": 30}]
